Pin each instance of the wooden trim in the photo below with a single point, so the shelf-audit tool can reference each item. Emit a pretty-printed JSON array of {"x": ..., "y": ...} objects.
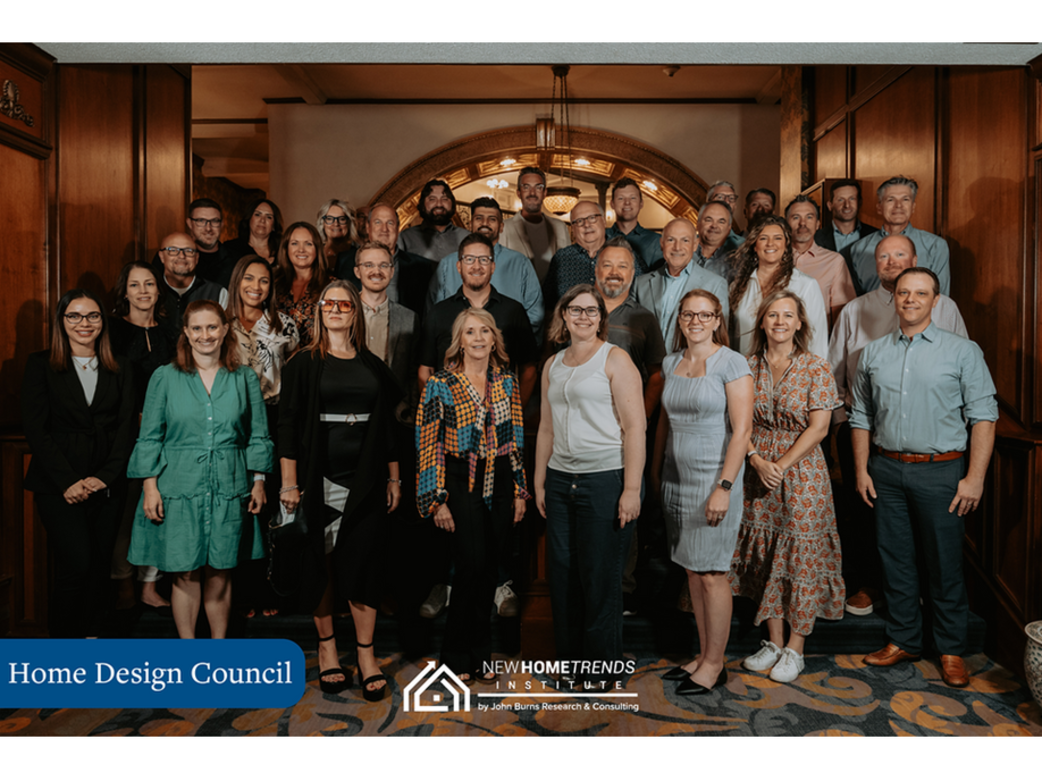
[
  {"x": 31, "y": 59},
  {"x": 494, "y": 101},
  {"x": 862, "y": 97},
  {"x": 24, "y": 142}
]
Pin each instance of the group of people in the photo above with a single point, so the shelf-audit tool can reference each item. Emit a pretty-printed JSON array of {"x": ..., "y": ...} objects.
[{"x": 393, "y": 371}]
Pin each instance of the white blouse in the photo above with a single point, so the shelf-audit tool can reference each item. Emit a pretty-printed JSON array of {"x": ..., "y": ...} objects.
[{"x": 807, "y": 287}]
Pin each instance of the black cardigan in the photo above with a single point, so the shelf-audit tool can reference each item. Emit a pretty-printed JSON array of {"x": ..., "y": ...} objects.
[
  {"x": 300, "y": 439},
  {"x": 69, "y": 439}
]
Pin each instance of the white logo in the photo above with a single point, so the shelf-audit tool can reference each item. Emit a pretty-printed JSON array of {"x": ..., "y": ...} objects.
[{"x": 450, "y": 684}]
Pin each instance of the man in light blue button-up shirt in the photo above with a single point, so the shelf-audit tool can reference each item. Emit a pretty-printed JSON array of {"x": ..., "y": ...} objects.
[{"x": 915, "y": 391}]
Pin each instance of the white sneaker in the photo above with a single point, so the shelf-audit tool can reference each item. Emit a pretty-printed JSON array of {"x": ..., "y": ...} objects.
[
  {"x": 436, "y": 601},
  {"x": 764, "y": 658},
  {"x": 507, "y": 603},
  {"x": 788, "y": 667}
]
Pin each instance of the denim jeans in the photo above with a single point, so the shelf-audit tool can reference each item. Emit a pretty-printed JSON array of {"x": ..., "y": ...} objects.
[{"x": 586, "y": 552}]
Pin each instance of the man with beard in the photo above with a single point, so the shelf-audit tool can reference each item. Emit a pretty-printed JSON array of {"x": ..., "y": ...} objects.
[
  {"x": 575, "y": 263},
  {"x": 627, "y": 201},
  {"x": 514, "y": 275},
  {"x": 179, "y": 284},
  {"x": 412, "y": 274},
  {"x": 715, "y": 243},
  {"x": 536, "y": 235},
  {"x": 829, "y": 268},
  {"x": 896, "y": 205},
  {"x": 436, "y": 236},
  {"x": 476, "y": 265},
  {"x": 661, "y": 290},
  {"x": 862, "y": 321},
  {"x": 204, "y": 222}
]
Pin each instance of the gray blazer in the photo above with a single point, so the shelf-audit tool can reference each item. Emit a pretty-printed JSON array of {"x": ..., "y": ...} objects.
[
  {"x": 649, "y": 289},
  {"x": 403, "y": 332}
]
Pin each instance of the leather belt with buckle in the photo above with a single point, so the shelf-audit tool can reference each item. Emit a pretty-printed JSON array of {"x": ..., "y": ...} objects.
[{"x": 916, "y": 457}]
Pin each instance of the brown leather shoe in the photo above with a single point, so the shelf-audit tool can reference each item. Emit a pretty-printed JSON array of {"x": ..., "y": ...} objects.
[
  {"x": 953, "y": 671},
  {"x": 863, "y": 602},
  {"x": 888, "y": 656}
]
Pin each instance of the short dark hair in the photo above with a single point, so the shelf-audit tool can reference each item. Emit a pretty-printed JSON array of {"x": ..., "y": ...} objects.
[
  {"x": 477, "y": 238},
  {"x": 204, "y": 203},
  {"x": 803, "y": 199},
  {"x": 119, "y": 292},
  {"x": 619, "y": 242},
  {"x": 625, "y": 181},
  {"x": 845, "y": 183},
  {"x": 919, "y": 270},
  {"x": 761, "y": 191},
  {"x": 530, "y": 170},
  {"x": 486, "y": 203},
  {"x": 235, "y": 307}
]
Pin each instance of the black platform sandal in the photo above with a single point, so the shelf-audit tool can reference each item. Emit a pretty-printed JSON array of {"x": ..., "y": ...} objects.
[
  {"x": 333, "y": 686},
  {"x": 371, "y": 695}
]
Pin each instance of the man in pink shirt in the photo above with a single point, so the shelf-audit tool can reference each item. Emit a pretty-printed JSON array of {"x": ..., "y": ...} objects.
[{"x": 828, "y": 267}]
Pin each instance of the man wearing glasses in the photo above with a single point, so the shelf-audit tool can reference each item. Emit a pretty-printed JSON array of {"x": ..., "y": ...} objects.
[
  {"x": 725, "y": 192},
  {"x": 513, "y": 275},
  {"x": 214, "y": 263},
  {"x": 179, "y": 282},
  {"x": 531, "y": 231}
]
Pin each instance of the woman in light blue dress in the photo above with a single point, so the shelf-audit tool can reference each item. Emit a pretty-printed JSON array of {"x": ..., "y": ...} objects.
[{"x": 699, "y": 459}]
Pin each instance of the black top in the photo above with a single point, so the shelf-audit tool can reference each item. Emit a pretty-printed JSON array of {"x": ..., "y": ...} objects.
[
  {"x": 145, "y": 350},
  {"x": 216, "y": 266},
  {"x": 175, "y": 304},
  {"x": 510, "y": 318}
]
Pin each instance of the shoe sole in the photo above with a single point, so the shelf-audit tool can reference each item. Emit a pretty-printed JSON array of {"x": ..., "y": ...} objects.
[{"x": 861, "y": 611}]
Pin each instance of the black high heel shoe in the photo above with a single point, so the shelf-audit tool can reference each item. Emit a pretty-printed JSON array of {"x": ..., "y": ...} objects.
[
  {"x": 676, "y": 674},
  {"x": 371, "y": 695},
  {"x": 690, "y": 688},
  {"x": 333, "y": 686}
]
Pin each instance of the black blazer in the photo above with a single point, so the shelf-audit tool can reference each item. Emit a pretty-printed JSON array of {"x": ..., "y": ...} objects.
[
  {"x": 69, "y": 439},
  {"x": 826, "y": 239},
  {"x": 414, "y": 277},
  {"x": 301, "y": 439}
]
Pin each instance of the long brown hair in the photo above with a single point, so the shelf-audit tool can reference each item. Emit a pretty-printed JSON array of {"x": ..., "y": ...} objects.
[
  {"x": 719, "y": 335},
  {"x": 558, "y": 333},
  {"x": 185, "y": 361},
  {"x": 285, "y": 273},
  {"x": 320, "y": 336},
  {"x": 454, "y": 354},
  {"x": 119, "y": 292},
  {"x": 235, "y": 305},
  {"x": 800, "y": 339},
  {"x": 61, "y": 352},
  {"x": 746, "y": 262}
]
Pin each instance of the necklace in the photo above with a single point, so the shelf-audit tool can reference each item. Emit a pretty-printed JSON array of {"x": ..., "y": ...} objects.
[{"x": 89, "y": 365}]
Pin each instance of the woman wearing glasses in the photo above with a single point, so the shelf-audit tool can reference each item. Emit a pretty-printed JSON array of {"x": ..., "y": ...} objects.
[
  {"x": 260, "y": 232},
  {"x": 78, "y": 414},
  {"x": 336, "y": 418},
  {"x": 470, "y": 437},
  {"x": 337, "y": 228},
  {"x": 202, "y": 452},
  {"x": 300, "y": 275},
  {"x": 588, "y": 467},
  {"x": 700, "y": 446}
]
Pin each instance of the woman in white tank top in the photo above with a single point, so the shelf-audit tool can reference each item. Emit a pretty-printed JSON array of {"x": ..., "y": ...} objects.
[{"x": 588, "y": 467}]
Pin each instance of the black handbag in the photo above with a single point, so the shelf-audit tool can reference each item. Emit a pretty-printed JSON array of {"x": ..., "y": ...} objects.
[{"x": 287, "y": 543}]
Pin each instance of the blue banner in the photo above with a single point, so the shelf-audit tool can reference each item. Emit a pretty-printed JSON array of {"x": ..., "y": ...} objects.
[{"x": 149, "y": 673}]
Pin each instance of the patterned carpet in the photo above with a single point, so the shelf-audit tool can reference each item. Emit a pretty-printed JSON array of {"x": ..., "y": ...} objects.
[{"x": 835, "y": 696}]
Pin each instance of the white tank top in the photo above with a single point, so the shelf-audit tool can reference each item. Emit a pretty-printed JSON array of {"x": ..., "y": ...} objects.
[{"x": 587, "y": 434}]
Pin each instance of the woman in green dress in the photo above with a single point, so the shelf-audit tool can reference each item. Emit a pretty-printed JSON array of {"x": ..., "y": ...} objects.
[{"x": 202, "y": 452}]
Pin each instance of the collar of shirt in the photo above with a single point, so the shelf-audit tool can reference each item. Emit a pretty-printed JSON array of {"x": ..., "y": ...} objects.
[
  {"x": 856, "y": 230},
  {"x": 812, "y": 250},
  {"x": 906, "y": 232},
  {"x": 493, "y": 295},
  {"x": 685, "y": 272},
  {"x": 930, "y": 334},
  {"x": 378, "y": 309}
]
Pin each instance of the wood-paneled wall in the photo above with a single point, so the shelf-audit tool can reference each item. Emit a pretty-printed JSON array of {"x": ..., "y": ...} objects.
[
  {"x": 970, "y": 137},
  {"x": 97, "y": 180}
]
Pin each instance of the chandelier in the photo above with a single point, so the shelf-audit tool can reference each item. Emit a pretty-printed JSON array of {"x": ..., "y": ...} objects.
[{"x": 560, "y": 199}]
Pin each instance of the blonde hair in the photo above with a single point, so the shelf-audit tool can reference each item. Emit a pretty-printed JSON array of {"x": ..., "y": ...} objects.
[
  {"x": 800, "y": 339},
  {"x": 454, "y": 354}
]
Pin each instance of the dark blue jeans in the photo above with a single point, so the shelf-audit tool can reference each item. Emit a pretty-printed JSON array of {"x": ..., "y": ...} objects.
[
  {"x": 586, "y": 552},
  {"x": 912, "y": 512}
]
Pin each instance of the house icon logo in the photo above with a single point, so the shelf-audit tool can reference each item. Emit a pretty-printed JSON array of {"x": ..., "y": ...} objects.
[{"x": 444, "y": 683}]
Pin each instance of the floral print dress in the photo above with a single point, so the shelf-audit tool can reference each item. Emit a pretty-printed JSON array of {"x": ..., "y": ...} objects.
[{"x": 788, "y": 553}]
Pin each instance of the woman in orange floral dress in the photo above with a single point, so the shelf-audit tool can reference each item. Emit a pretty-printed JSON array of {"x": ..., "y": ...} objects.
[{"x": 788, "y": 555}]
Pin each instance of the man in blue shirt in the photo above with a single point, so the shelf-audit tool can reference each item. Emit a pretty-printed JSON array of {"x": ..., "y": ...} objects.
[
  {"x": 627, "y": 201},
  {"x": 914, "y": 392},
  {"x": 514, "y": 275}
]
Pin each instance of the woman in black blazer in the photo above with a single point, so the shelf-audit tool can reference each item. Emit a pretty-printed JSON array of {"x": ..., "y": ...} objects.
[{"x": 78, "y": 414}]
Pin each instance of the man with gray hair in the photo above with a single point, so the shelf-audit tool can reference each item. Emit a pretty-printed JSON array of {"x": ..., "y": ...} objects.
[
  {"x": 716, "y": 242},
  {"x": 896, "y": 205},
  {"x": 724, "y": 192}
]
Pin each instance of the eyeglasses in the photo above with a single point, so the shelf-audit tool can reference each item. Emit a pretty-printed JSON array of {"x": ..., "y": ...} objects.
[
  {"x": 207, "y": 222},
  {"x": 590, "y": 220},
  {"x": 74, "y": 318},
  {"x": 532, "y": 187},
  {"x": 344, "y": 307},
  {"x": 703, "y": 316},
  {"x": 732, "y": 199},
  {"x": 577, "y": 311},
  {"x": 471, "y": 259},
  {"x": 181, "y": 250},
  {"x": 371, "y": 266},
  {"x": 335, "y": 220}
]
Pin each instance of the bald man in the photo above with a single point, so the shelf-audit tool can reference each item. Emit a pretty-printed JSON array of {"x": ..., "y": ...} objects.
[{"x": 179, "y": 284}]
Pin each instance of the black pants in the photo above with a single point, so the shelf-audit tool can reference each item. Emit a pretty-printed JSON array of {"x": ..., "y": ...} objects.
[
  {"x": 855, "y": 523},
  {"x": 81, "y": 538},
  {"x": 478, "y": 544}
]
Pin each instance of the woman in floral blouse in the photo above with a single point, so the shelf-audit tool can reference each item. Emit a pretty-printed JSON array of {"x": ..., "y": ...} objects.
[{"x": 301, "y": 273}]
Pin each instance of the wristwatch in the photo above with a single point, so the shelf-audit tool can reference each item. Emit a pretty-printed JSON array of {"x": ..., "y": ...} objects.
[{"x": 725, "y": 484}]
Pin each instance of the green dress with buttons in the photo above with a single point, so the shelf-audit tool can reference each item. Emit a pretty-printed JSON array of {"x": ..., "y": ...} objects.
[{"x": 203, "y": 448}]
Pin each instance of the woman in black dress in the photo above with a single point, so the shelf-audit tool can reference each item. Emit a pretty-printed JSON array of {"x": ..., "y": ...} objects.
[
  {"x": 142, "y": 334},
  {"x": 78, "y": 415},
  {"x": 260, "y": 232},
  {"x": 336, "y": 418}
]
